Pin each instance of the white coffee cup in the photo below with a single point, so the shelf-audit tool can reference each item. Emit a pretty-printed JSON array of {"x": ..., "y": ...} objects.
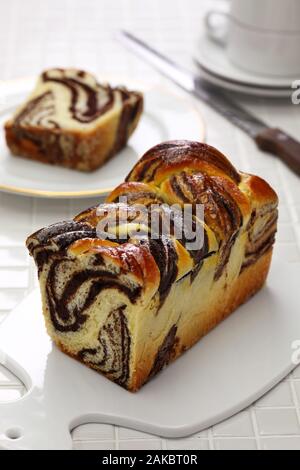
[{"x": 260, "y": 36}]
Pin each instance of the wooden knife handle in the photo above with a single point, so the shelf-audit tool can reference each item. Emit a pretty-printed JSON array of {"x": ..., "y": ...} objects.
[{"x": 281, "y": 144}]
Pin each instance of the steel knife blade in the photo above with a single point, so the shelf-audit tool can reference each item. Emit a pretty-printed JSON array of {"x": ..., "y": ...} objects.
[{"x": 268, "y": 139}]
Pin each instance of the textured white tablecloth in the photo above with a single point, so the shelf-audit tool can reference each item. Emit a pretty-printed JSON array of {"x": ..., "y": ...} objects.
[{"x": 35, "y": 34}]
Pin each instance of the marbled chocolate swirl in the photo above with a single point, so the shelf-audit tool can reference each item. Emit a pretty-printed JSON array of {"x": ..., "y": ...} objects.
[
  {"x": 68, "y": 97},
  {"x": 126, "y": 299},
  {"x": 71, "y": 119},
  {"x": 112, "y": 355}
]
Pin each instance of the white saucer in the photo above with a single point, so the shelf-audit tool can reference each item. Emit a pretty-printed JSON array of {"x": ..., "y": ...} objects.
[
  {"x": 216, "y": 68},
  {"x": 167, "y": 116}
]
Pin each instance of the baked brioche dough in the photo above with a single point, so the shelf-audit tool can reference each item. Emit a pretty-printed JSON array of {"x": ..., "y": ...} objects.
[
  {"x": 72, "y": 120},
  {"x": 128, "y": 305}
]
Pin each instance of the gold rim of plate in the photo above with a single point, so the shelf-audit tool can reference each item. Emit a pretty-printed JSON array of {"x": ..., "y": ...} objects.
[{"x": 98, "y": 192}]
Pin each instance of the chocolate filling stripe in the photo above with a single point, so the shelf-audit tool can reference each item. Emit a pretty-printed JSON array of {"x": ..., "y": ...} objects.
[
  {"x": 112, "y": 356},
  {"x": 38, "y": 112},
  {"x": 164, "y": 353},
  {"x": 66, "y": 319},
  {"x": 179, "y": 151},
  {"x": 93, "y": 109},
  {"x": 253, "y": 257}
]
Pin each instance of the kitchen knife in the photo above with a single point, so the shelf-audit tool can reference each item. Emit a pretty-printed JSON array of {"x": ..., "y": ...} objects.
[{"x": 268, "y": 139}]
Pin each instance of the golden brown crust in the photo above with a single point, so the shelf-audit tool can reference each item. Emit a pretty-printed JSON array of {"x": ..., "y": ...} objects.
[
  {"x": 161, "y": 294},
  {"x": 128, "y": 257},
  {"x": 248, "y": 283},
  {"x": 88, "y": 150},
  {"x": 175, "y": 156},
  {"x": 260, "y": 191},
  {"x": 128, "y": 189},
  {"x": 240, "y": 198}
]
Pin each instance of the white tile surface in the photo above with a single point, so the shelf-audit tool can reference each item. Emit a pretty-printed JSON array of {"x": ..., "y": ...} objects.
[
  {"x": 286, "y": 233},
  {"x": 13, "y": 256},
  {"x": 296, "y": 373},
  {"x": 277, "y": 421},
  {"x": 238, "y": 425},
  {"x": 94, "y": 445},
  {"x": 280, "y": 443},
  {"x": 93, "y": 431},
  {"x": 297, "y": 388},
  {"x": 235, "y": 444},
  {"x": 62, "y": 33},
  {"x": 187, "y": 444},
  {"x": 126, "y": 433},
  {"x": 13, "y": 278},
  {"x": 280, "y": 396},
  {"x": 142, "y": 444},
  {"x": 9, "y": 298}
]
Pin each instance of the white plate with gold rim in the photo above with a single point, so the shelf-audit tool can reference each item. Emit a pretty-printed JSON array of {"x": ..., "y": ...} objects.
[{"x": 166, "y": 116}]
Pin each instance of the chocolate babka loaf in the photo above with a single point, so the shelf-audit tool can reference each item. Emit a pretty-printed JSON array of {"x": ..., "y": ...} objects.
[
  {"x": 72, "y": 120},
  {"x": 125, "y": 299}
]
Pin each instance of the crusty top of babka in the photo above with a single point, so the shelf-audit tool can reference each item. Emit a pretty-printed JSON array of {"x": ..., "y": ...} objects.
[{"x": 175, "y": 172}]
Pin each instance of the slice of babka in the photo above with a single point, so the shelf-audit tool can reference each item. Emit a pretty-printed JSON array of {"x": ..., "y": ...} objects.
[{"x": 72, "y": 120}]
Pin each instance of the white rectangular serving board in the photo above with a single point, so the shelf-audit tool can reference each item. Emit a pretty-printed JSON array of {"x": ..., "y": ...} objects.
[{"x": 226, "y": 371}]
